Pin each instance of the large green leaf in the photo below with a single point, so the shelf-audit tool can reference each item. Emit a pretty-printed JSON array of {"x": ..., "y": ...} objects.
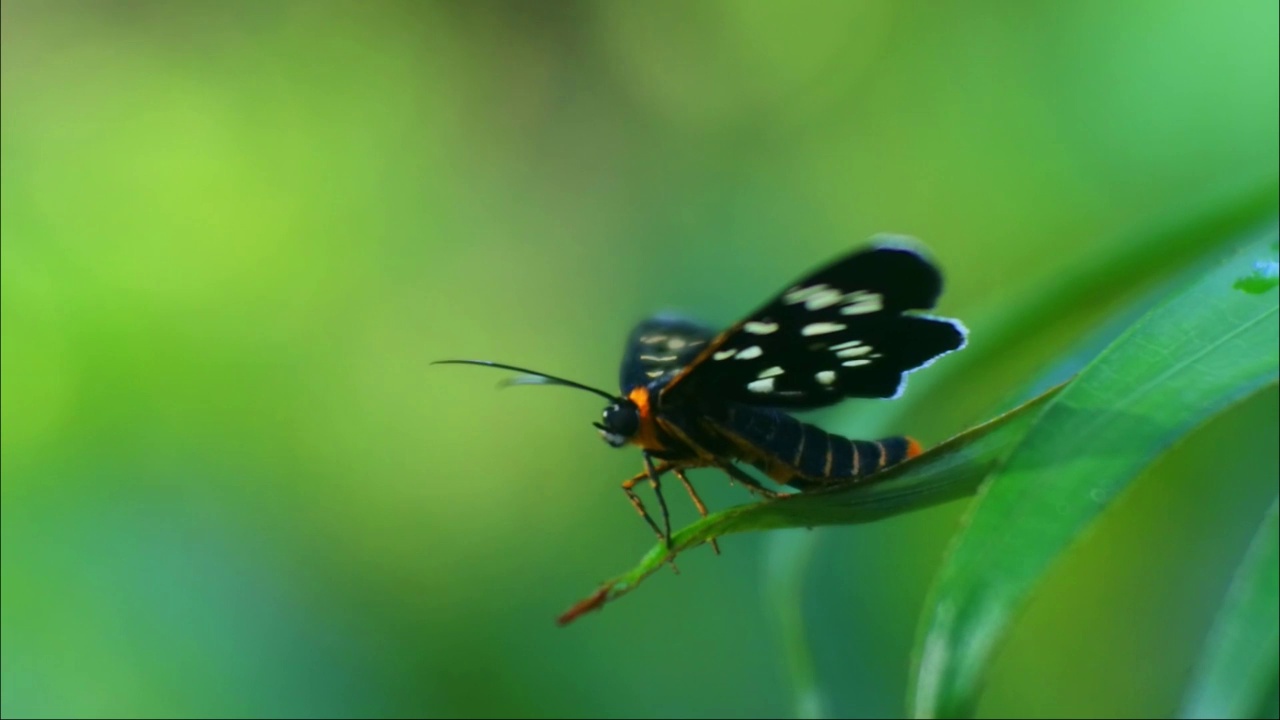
[
  {"x": 1063, "y": 325},
  {"x": 1210, "y": 345},
  {"x": 1237, "y": 670},
  {"x": 949, "y": 471}
]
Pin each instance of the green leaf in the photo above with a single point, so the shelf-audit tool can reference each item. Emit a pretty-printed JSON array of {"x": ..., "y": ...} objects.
[
  {"x": 1206, "y": 348},
  {"x": 1237, "y": 671},
  {"x": 1100, "y": 296},
  {"x": 947, "y": 472},
  {"x": 787, "y": 561}
]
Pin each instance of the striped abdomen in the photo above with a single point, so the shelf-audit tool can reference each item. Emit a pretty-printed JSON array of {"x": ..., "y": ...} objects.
[{"x": 801, "y": 455}]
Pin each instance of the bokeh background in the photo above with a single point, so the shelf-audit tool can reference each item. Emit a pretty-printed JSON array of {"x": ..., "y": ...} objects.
[{"x": 236, "y": 233}]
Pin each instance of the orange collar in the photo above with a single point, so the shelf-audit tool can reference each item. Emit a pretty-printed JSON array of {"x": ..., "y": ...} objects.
[{"x": 646, "y": 435}]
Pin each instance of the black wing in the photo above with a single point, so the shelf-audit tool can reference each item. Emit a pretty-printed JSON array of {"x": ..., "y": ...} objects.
[
  {"x": 842, "y": 331},
  {"x": 661, "y": 346}
]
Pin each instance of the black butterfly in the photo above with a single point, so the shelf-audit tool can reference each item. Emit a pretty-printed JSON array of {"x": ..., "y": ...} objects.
[{"x": 694, "y": 398}]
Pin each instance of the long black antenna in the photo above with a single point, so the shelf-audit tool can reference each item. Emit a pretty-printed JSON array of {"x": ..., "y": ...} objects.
[{"x": 536, "y": 379}]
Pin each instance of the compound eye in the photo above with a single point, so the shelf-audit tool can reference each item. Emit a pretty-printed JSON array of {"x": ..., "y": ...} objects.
[{"x": 622, "y": 419}]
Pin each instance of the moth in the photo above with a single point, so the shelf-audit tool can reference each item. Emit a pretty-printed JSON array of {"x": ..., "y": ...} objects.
[{"x": 690, "y": 397}]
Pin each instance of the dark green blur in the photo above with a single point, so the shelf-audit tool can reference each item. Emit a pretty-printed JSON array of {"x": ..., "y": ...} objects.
[{"x": 235, "y": 234}]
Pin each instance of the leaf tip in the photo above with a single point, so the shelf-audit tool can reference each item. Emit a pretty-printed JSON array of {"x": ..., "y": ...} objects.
[{"x": 593, "y": 602}]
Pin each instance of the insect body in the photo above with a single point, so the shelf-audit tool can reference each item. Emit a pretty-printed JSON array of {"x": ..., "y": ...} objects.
[{"x": 691, "y": 397}]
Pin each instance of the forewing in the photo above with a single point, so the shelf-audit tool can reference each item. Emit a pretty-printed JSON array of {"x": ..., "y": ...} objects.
[
  {"x": 661, "y": 346},
  {"x": 845, "y": 330}
]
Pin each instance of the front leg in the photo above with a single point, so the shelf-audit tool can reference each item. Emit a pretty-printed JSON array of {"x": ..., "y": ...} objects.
[
  {"x": 630, "y": 483},
  {"x": 657, "y": 490},
  {"x": 651, "y": 473}
]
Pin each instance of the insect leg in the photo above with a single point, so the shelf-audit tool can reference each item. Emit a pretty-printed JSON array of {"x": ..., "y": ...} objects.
[
  {"x": 749, "y": 481},
  {"x": 702, "y": 509},
  {"x": 657, "y": 490},
  {"x": 630, "y": 483}
]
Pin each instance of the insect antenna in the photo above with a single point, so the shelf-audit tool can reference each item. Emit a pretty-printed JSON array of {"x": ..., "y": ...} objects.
[{"x": 530, "y": 377}]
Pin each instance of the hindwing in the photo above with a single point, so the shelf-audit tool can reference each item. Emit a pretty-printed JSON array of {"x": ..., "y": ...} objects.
[{"x": 660, "y": 347}]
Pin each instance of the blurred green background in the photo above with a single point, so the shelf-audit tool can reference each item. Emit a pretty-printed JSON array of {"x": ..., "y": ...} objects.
[{"x": 236, "y": 233}]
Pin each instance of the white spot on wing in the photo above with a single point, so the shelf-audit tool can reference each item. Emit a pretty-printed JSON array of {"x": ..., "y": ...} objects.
[
  {"x": 760, "y": 328},
  {"x": 862, "y": 302},
  {"x": 658, "y": 358},
  {"x": 771, "y": 372},
  {"x": 654, "y": 373},
  {"x": 821, "y": 328},
  {"x": 725, "y": 354},
  {"x": 826, "y": 377},
  {"x": 750, "y": 353},
  {"x": 801, "y": 294},
  {"x": 676, "y": 343},
  {"x": 761, "y": 386},
  {"x": 854, "y": 351},
  {"x": 849, "y": 344},
  {"x": 826, "y": 298},
  {"x": 855, "y": 363}
]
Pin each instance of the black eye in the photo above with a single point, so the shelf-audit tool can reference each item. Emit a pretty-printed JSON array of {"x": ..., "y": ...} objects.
[{"x": 622, "y": 419}]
